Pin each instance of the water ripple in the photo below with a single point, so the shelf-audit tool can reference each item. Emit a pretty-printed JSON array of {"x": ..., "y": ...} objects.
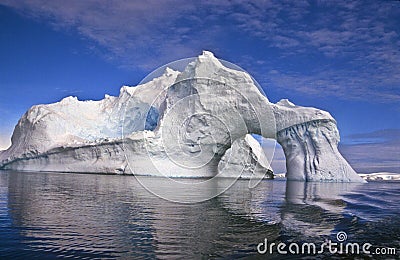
[{"x": 49, "y": 215}]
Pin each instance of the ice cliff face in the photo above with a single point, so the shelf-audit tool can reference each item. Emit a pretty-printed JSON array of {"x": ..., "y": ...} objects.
[
  {"x": 71, "y": 123},
  {"x": 246, "y": 158},
  {"x": 192, "y": 123},
  {"x": 309, "y": 138}
]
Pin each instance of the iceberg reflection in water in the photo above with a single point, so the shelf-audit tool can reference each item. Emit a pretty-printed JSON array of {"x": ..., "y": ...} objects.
[{"x": 49, "y": 215}]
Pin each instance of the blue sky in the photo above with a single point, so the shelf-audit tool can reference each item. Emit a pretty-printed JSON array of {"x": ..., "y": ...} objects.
[{"x": 340, "y": 56}]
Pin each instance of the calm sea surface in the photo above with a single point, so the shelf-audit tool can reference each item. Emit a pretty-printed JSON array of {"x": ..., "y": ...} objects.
[{"x": 60, "y": 215}]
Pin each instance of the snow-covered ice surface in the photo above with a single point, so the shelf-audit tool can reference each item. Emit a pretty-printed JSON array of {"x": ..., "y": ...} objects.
[
  {"x": 245, "y": 157},
  {"x": 193, "y": 123},
  {"x": 381, "y": 176}
]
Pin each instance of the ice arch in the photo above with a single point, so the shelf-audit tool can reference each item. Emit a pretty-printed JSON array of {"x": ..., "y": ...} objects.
[{"x": 235, "y": 107}]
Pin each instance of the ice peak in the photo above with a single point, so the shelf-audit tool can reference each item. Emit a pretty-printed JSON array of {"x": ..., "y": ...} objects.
[
  {"x": 205, "y": 65},
  {"x": 169, "y": 75},
  {"x": 208, "y": 54},
  {"x": 124, "y": 89},
  {"x": 286, "y": 103},
  {"x": 208, "y": 57},
  {"x": 69, "y": 99},
  {"x": 169, "y": 72}
]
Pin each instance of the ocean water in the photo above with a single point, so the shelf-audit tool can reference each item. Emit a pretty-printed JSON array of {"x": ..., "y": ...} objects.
[{"x": 84, "y": 216}]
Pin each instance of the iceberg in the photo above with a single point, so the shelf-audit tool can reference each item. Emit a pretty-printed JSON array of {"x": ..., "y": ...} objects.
[{"x": 193, "y": 123}]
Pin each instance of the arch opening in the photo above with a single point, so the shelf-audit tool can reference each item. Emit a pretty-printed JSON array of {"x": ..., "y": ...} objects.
[{"x": 274, "y": 153}]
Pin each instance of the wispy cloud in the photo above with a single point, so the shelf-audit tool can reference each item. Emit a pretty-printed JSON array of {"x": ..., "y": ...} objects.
[
  {"x": 340, "y": 83},
  {"x": 132, "y": 32},
  {"x": 357, "y": 41},
  {"x": 378, "y": 151}
]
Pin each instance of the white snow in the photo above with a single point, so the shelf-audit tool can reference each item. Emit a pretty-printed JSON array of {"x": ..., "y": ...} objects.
[{"x": 287, "y": 114}]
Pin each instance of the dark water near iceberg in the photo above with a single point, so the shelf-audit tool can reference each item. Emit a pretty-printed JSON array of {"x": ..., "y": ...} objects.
[{"x": 56, "y": 215}]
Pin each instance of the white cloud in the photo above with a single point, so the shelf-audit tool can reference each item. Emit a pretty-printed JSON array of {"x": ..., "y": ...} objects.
[
  {"x": 131, "y": 31},
  {"x": 359, "y": 40},
  {"x": 339, "y": 83}
]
